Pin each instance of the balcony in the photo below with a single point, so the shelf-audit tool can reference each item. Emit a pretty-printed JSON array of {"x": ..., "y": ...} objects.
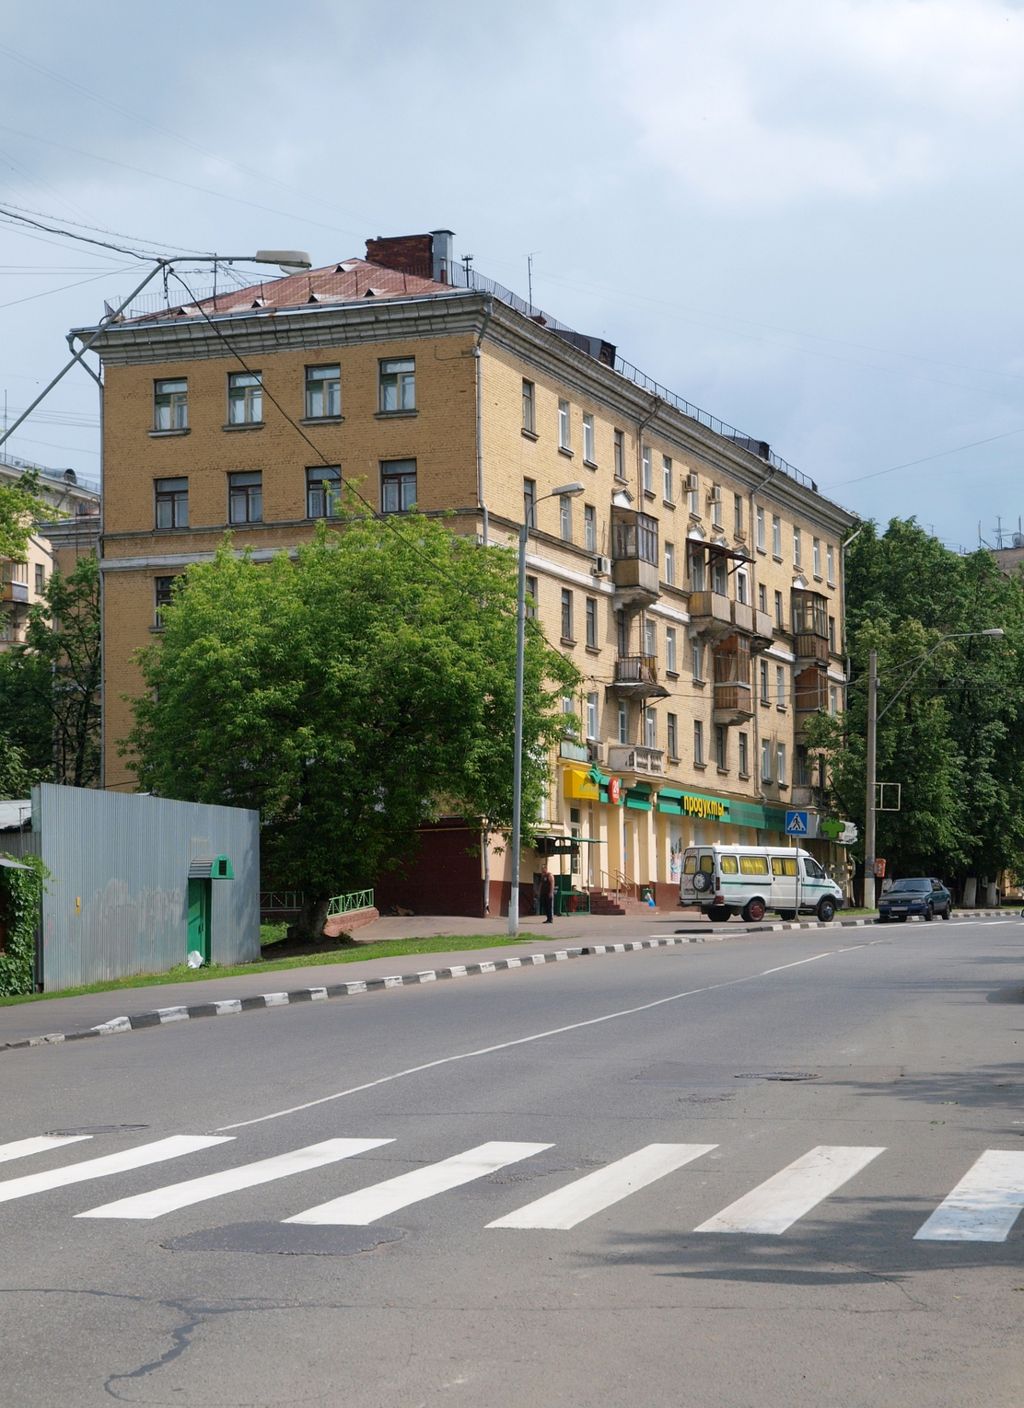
[
  {"x": 810, "y": 626},
  {"x": 635, "y": 759},
  {"x": 805, "y": 796},
  {"x": 16, "y": 592},
  {"x": 753, "y": 623},
  {"x": 635, "y": 558},
  {"x": 810, "y": 694},
  {"x": 733, "y": 701},
  {"x": 710, "y": 613},
  {"x": 636, "y": 582},
  {"x": 637, "y": 677}
]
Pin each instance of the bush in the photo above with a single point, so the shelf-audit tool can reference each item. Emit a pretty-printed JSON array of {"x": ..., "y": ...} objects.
[{"x": 21, "y": 892}]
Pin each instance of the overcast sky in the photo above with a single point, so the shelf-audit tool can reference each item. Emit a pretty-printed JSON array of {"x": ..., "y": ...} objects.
[{"x": 804, "y": 216}]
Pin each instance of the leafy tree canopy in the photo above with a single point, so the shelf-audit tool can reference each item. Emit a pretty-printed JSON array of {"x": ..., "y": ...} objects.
[
  {"x": 950, "y": 725},
  {"x": 349, "y": 694},
  {"x": 20, "y": 504}
]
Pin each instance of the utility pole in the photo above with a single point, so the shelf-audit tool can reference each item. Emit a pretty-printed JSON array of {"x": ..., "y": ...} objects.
[{"x": 869, "y": 789}]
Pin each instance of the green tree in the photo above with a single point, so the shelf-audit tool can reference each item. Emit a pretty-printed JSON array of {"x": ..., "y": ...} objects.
[
  {"x": 949, "y": 725},
  {"x": 19, "y": 505},
  {"x": 350, "y": 695}
]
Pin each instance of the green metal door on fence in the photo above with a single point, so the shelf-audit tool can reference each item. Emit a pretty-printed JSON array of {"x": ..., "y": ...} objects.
[{"x": 199, "y": 918}]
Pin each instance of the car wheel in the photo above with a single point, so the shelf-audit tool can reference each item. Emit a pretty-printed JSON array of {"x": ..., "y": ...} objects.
[
  {"x": 826, "y": 910},
  {"x": 718, "y": 913},
  {"x": 945, "y": 912},
  {"x": 787, "y": 914},
  {"x": 904, "y": 918},
  {"x": 882, "y": 919},
  {"x": 753, "y": 911},
  {"x": 929, "y": 913}
]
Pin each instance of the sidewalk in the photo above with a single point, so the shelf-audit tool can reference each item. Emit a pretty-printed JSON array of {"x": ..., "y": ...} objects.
[{"x": 577, "y": 935}]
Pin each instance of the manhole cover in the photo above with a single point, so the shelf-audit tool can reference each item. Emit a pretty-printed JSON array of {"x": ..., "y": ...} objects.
[
  {"x": 776, "y": 1075},
  {"x": 286, "y": 1239},
  {"x": 96, "y": 1129}
]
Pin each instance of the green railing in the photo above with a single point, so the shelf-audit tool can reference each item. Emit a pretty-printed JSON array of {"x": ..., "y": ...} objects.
[{"x": 345, "y": 904}]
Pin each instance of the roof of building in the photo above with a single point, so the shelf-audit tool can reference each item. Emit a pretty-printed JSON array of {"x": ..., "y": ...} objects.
[
  {"x": 347, "y": 282},
  {"x": 13, "y": 815}
]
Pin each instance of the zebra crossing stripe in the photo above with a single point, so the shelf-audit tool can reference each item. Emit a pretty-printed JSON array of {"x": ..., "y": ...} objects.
[
  {"x": 776, "y": 1204},
  {"x": 170, "y": 1148},
  {"x": 213, "y": 1185},
  {"x": 599, "y": 1190},
  {"x": 984, "y": 1205},
  {"x": 21, "y": 1148},
  {"x": 368, "y": 1204}
]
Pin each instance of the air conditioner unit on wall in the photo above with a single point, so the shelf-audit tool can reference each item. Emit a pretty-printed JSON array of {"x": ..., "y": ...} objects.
[
  {"x": 690, "y": 483},
  {"x": 714, "y": 495},
  {"x": 602, "y": 566}
]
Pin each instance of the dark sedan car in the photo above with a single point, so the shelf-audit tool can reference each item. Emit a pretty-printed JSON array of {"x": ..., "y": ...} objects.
[{"x": 922, "y": 895}]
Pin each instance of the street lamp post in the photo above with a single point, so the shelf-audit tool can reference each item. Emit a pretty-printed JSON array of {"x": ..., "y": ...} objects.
[
  {"x": 874, "y": 714},
  {"x": 515, "y": 844}
]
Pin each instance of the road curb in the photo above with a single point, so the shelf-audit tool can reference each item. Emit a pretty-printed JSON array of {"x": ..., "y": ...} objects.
[{"x": 234, "y": 1006}]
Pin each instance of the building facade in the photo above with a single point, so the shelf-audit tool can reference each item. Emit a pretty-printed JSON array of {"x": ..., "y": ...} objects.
[
  {"x": 76, "y": 505},
  {"x": 696, "y": 580}
]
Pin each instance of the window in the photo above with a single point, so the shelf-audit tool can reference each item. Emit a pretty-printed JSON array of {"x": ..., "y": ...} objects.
[
  {"x": 721, "y": 744},
  {"x": 744, "y": 750},
  {"x": 163, "y": 593},
  {"x": 697, "y": 660},
  {"x": 592, "y": 622},
  {"x": 619, "y": 453},
  {"x": 323, "y": 491},
  {"x": 622, "y": 632},
  {"x": 776, "y": 535},
  {"x": 833, "y": 699},
  {"x": 245, "y": 497},
  {"x": 171, "y": 503},
  {"x": 830, "y": 565},
  {"x": 564, "y": 441},
  {"x": 323, "y": 393},
  {"x": 397, "y": 384},
  {"x": 780, "y": 686},
  {"x": 670, "y": 564},
  {"x": 766, "y": 760},
  {"x": 797, "y": 547},
  {"x": 646, "y": 474},
  {"x": 716, "y": 505},
  {"x": 698, "y": 743},
  {"x": 529, "y": 407},
  {"x": 650, "y": 637},
  {"x": 693, "y": 492},
  {"x": 802, "y": 767},
  {"x": 650, "y": 727},
  {"x": 729, "y": 865},
  {"x": 623, "y": 721},
  {"x": 672, "y": 725},
  {"x": 40, "y": 579},
  {"x": 784, "y": 865},
  {"x": 832, "y": 634},
  {"x": 590, "y": 527},
  {"x": 760, "y": 529},
  {"x": 671, "y": 663},
  {"x": 697, "y": 573},
  {"x": 565, "y": 517},
  {"x": 762, "y": 597},
  {"x": 397, "y": 485},
  {"x": 588, "y": 438},
  {"x": 780, "y": 765},
  {"x": 816, "y": 555},
  {"x": 719, "y": 575},
  {"x": 778, "y": 610},
  {"x": 742, "y": 587},
  {"x": 531, "y": 598},
  {"x": 245, "y": 398},
  {"x": 170, "y": 405},
  {"x": 666, "y": 477},
  {"x": 737, "y": 514},
  {"x": 753, "y": 865},
  {"x": 530, "y": 502},
  {"x": 566, "y": 615},
  {"x": 762, "y": 680},
  {"x": 592, "y": 715}
]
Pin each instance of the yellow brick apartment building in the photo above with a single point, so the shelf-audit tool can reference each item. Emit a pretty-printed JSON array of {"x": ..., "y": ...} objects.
[{"x": 696, "y": 580}]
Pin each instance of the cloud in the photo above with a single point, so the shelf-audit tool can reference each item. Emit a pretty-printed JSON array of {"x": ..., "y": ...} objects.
[{"x": 761, "y": 106}]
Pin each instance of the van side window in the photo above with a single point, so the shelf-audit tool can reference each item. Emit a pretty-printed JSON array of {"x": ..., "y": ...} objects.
[
  {"x": 753, "y": 865},
  {"x": 813, "y": 869},
  {"x": 728, "y": 865},
  {"x": 784, "y": 865}
]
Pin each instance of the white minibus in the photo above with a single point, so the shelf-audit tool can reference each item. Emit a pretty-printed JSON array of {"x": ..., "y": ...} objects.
[{"x": 748, "y": 880}]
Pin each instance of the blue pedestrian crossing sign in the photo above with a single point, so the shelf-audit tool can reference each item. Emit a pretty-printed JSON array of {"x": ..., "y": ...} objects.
[{"x": 796, "y": 824}]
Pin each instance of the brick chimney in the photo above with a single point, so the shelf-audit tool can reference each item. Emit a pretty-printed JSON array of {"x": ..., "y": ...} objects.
[{"x": 427, "y": 256}]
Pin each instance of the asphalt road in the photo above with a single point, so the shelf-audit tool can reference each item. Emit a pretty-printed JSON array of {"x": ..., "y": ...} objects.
[{"x": 722, "y": 1173}]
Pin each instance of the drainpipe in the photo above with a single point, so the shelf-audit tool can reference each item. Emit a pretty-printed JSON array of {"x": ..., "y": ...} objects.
[
  {"x": 842, "y": 596},
  {"x": 753, "y": 591},
  {"x": 478, "y": 380}
]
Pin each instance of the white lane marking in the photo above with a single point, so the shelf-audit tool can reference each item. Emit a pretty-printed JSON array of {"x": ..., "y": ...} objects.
[
  {"x": 368, "y": 1204},
  {"x": 21, "y": 1148},
  {"x": 777, "y": 1203},
  {"x": 599, "y": 1190},
  {"x": 214, "y": 1185},
  {"x": 170, "y": 1148},
  {"x": 535, "y": 1036},
  {"x": 984, "y": 1205}
]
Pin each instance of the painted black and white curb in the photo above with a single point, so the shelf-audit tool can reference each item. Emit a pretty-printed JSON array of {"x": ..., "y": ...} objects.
[{"x": 233, "y": 1006}]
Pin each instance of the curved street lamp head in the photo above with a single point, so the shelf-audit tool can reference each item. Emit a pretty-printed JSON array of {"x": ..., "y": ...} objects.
[
  {"x": 290, "y": 261},
  {"x": 568, "y": 490},
  {"x": 993, "y": 631}
]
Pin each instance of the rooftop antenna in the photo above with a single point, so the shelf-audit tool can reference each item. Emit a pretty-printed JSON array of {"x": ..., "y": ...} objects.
[
  {"x": 529, "y": 277},
  {"x": 467, "y": 260}
]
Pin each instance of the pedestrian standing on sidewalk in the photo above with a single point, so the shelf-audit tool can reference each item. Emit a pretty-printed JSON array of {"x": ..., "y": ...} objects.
[{"x": 547, "y": 895}]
